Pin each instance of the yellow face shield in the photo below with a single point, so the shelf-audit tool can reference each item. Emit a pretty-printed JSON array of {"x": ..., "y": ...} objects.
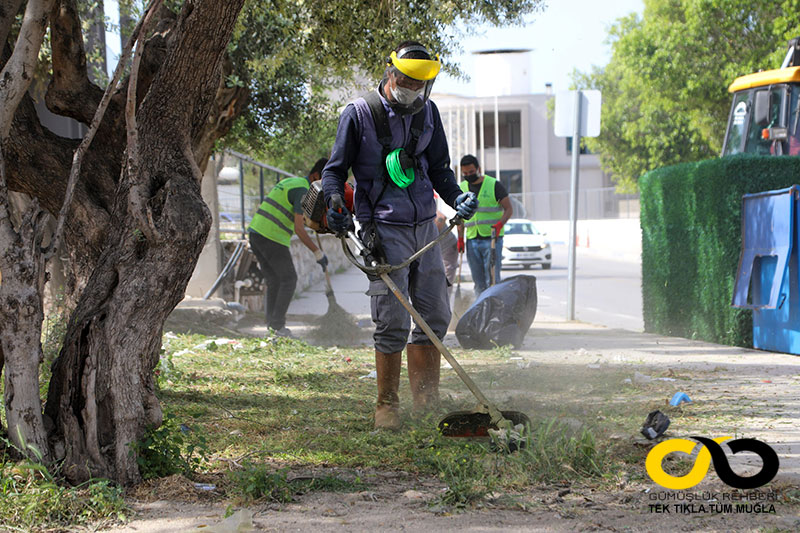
[{"x": 418, "y": 69}]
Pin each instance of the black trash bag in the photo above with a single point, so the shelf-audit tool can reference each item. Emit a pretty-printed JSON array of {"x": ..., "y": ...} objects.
[
  {"x": 655, "y": 425},
  {"x": 501, "y": 315}
]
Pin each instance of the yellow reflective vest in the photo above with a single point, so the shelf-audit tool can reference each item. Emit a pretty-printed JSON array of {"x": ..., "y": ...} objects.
[
  {"x": 274, "y": 218},
  {"x": 489, "y": 210}
]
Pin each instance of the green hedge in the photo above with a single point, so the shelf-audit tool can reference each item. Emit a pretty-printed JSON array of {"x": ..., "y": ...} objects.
[{"x": 691, "y": 240}]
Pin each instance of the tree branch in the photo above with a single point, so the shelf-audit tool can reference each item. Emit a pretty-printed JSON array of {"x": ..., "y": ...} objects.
[
  {"x": 70, "y": 92},
  {"x": 138, "y": 192},
  {"x": 77, "y": 160},
  {"x": 8, "y": 11},
  {"x": 7, "y": 234},
  {"x": 229, "y": 102},
  {"x": 37, "y": 161},
  {"x": 17, "y": 74},
  {"x": 183, "y": 86}
]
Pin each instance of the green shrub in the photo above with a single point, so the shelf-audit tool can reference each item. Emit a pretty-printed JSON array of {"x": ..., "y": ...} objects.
[
  {"x": 171, "y": 448},
  {"x": 691, "y": 241}
]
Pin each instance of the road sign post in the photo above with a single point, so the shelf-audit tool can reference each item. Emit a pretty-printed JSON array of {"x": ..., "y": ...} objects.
[{"x": 577, "y": 114}]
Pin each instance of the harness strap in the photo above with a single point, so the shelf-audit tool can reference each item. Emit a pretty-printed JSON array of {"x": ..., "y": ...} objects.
[{"x": 384, "y": 134}]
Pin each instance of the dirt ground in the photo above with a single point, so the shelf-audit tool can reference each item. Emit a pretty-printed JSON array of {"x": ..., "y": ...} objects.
[{"x": 576, "y": 372}]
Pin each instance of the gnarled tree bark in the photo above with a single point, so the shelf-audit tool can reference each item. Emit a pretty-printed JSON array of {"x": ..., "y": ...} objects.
[
  {"x": 21, "y": 263},
  {"x": 101, "y": 396},
  {"x": 8, "y": 10},
  {"x": 134, "y": 269}
]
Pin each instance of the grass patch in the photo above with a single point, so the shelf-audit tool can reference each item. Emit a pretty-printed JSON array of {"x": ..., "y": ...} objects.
[
  {"x": 555, "y": 452},
  {"x": 301, "y": 405},
  {"x": 468, "y": 474},
  {"x": 262, "y": 482},
  {"x": 31, "y": 499}
]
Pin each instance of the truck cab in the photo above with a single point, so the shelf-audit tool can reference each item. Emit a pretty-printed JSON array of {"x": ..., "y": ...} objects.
[{"x": 766, "y": 107}]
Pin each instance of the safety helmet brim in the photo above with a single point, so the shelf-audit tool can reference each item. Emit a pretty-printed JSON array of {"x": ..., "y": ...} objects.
[{"x": 418, "y": 69}]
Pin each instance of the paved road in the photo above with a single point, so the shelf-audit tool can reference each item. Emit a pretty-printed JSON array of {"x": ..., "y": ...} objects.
[{"x": 608, "y": 292}]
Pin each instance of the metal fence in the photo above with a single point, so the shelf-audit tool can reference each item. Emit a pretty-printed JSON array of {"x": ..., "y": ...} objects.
[
  {"x": 241, "y": 185},
  {"x": 593, "y": 204},
  {"x": 243, "y": 182}
]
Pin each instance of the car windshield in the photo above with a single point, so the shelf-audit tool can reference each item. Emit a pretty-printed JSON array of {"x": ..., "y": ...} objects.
[{"x": 522, "y": 228}]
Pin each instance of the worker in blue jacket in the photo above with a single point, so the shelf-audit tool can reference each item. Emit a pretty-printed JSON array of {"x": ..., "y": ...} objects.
[{"x": 394, "y": 142}]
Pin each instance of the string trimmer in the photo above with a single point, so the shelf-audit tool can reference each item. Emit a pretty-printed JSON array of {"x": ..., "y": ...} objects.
[{"x": 486, "y": 419}]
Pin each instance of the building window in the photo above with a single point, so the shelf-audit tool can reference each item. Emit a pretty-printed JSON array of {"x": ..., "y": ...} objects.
[
  {"x": 584, "y": 150},
  {"x": 511, "y": 179},
  {"x": 509, "y": 130}
]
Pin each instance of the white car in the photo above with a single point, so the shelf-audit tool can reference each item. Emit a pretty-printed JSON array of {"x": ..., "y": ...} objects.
[{"x": 525, "y": 246}]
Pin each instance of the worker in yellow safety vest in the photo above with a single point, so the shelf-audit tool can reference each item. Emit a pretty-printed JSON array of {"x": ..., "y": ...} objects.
[
  {"x": 494, "y": 210},
  {"x": 270, "y": 234}
]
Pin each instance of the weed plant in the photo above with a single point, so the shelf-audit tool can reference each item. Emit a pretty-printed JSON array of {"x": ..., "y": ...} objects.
[
  {"x": 31, "y": 499},
  {"x": 467, "y": 476},
  {"x": 254, "y": 482},
  {"x": 554, "y": 452}
]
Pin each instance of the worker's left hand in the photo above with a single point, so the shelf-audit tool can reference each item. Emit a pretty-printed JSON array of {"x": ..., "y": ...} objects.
[
  {"x": 498, "y": 227},
  {"x": 466, "y": 205},
  {"x": 322, "y": 259}
]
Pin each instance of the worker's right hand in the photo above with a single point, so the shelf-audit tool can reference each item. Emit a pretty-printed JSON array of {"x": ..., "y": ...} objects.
[
  {"x": 466, "y": 205},
  {"x": 460, "y": 244},
  {"x": 340, "y": 220},
  {"x": 321, "y": 258}
]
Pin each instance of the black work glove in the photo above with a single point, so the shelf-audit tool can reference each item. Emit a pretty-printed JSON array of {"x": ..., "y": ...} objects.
[
  {"x": 340, "y": 220},
  {"x": 466, "y": 205}
]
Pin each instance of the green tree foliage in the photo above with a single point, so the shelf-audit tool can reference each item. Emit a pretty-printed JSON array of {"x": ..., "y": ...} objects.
[
  {"x": 665, "y": 98},
  {"x": 301, "y": 60}
]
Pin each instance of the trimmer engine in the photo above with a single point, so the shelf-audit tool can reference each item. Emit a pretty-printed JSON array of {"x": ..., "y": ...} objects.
[{"x": 314, "y": 207}]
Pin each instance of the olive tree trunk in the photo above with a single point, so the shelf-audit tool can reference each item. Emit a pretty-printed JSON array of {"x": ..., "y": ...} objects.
[{"x": 101, "y": 395}]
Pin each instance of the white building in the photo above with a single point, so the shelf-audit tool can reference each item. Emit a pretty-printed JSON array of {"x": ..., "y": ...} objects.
[{"x": 534, "y": 164}]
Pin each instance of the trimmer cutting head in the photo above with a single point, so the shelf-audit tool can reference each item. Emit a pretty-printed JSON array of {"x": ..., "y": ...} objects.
[{"x": 472, "y": 424}]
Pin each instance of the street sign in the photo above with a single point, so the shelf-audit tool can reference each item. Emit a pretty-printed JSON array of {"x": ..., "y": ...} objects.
[{"x": 565, "y": 113}]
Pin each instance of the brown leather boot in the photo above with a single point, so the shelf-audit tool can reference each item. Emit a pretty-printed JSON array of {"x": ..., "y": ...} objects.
[
  {"x": 423, "y": 374},
  {"x": 387, "y": 411}
]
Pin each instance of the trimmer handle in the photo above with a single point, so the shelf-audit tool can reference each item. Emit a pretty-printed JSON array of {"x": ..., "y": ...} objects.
[{"x": 337, "y": 203}]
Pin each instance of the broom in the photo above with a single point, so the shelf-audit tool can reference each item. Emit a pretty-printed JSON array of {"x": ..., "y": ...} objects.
[{"x": 336, "y": 326}]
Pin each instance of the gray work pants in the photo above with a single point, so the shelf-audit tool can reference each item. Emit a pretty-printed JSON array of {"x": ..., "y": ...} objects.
[
  {"x": 275, "y": 263},
  {"x": 423, "y": 283}
]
